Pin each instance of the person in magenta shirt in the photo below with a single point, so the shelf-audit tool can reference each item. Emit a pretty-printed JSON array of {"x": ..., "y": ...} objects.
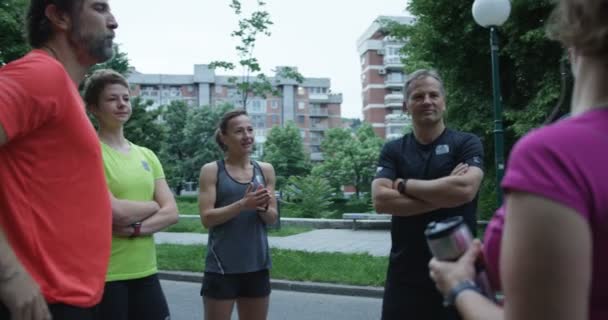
[{"x": 545, "y": 248}]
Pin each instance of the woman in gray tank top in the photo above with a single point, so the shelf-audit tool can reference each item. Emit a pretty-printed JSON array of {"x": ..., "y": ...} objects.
[{"x": 236, "y": 203}]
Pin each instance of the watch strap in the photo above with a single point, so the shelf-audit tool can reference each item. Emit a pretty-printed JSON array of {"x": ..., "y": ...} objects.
[
  {"x": 401, "y": 187},
  {"x": 136, "y": 229},
  {"x": 450, "y": 299}
]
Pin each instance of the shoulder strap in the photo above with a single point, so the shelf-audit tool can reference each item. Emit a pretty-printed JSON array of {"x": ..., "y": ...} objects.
[{"x": 258, "y": 170}]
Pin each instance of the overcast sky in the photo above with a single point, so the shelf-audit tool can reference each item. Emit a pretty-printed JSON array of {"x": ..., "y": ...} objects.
[{"x": 316, "y": 36}]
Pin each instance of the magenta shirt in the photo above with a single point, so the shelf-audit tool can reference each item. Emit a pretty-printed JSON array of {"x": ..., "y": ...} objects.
[{"x": 567, "y": 163}]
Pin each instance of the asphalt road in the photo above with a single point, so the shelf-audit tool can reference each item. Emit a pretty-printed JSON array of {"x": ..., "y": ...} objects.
[{"x": 185, "y": 304}]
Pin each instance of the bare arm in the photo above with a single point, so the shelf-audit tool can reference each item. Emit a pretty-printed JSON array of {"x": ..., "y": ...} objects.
[
  {"x": 269, "y": 215},
  {"x": 127, "y": 212},
  {"x": 388, "y": 200},
  {"x": 545, "y": 260},
  {"x": 447, "y": 192},
  {"x": 18, "y": 291},
  {"x": 210, "y": 216},
  {"x": 165, "y": 216}
]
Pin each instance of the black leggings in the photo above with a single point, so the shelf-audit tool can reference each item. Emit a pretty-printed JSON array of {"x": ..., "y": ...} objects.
[
  {"x": 133, "y": 300},
  {"x": 59, "y": 311}
]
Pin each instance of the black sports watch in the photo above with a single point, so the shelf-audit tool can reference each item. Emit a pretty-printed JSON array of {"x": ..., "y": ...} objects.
[{"x": 401, "y": 186}]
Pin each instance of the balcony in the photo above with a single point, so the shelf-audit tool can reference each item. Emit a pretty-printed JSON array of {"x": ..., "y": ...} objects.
[
  {"x": 396, "y": 118},
  {"x": 393, "y": 63},
  {"x": 393, "y": 136},
  {"x": 315, "y": 141},
  {"x": 318, "y": 97},
  {"x": 318, "y": 127},
  {"x": 393, "y": 100},
  {"x": 316, "y": 156},
  {"x": 394, "y": 82},
  {"x": 319, "y": 113}
]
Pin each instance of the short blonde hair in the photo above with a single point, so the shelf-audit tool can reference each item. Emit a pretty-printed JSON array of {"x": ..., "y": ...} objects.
[{"x": 95, "y": 84}]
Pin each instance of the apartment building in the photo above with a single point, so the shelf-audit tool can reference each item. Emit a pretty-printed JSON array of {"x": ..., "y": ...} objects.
[
  {"x": 382, "y": 79},
  {"x": 310, "y": 105}
]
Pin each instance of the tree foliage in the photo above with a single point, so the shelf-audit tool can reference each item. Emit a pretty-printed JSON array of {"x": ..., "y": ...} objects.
[
  {"x": 189, "y": 141},
  {"x": 174, "y": 153},
  {"x": 253, "y": 82},
  {"x": 12, "y": 31},
  {"x": 350, "y": 159},
  {"x": 285, "y": 151},
  {"x": 308, "y": 197},
  {"x": 143, "y": 128}
]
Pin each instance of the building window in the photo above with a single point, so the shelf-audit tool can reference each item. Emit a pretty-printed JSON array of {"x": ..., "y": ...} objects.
[
  {"x": 219, "y": 89},
  {"x": 303, "y": 133},
  {"x": 301, "y": 105},
  {"x": 275, "y": 119},
  {"x": 301, "y": 91},
  {"x": 274, "y": 104},
  {"x": 256, "y": 106},
  {"x": 393, "y": 51},
  {"x": 258, "y": 121},
  {"x": 301, "y": 119},
  {"x": 395, "y": 77}
]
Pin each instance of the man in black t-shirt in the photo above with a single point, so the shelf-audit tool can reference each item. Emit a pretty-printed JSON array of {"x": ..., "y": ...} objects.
[{"x": 429, "y": 174}]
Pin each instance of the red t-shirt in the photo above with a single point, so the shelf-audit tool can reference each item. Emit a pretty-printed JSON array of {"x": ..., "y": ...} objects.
[{"x": 54, "y": 203}]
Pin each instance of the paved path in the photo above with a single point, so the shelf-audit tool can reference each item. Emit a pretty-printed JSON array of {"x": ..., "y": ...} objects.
[
  {"x": 374, "y": 242},
  {"x": 185, "y": 304}
]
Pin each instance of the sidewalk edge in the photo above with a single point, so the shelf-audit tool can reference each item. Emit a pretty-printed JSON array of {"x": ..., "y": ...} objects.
[{"x": 311, "y": 287}]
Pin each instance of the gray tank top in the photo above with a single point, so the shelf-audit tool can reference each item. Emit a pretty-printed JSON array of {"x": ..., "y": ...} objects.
[{"x": 239, "y": 245}]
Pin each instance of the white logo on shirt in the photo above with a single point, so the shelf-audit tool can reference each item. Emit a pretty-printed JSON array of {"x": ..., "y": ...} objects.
[{"x": 442, "y": 149}]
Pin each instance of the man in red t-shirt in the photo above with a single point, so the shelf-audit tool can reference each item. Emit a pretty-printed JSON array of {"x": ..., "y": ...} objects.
[{"x": 55, "y": 211}]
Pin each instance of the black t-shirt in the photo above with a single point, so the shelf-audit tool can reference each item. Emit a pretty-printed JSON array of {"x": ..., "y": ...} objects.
[{"x": 407, "y": 158}]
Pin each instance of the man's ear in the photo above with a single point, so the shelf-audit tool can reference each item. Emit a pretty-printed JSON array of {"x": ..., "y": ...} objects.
[{"x": 59, "y": 19}]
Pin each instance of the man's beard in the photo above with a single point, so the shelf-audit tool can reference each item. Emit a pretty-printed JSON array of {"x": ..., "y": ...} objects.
[{"x": 97, "y": 46}]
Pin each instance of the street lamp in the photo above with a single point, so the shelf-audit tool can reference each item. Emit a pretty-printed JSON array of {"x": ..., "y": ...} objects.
[{"x": 492, "y": 14}]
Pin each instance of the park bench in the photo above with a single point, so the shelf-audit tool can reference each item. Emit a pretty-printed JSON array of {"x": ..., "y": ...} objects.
[{"x": 365, "y": 216}]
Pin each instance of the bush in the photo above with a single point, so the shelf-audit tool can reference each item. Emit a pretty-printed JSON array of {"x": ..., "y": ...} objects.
[{"x": 307, "y": 197}]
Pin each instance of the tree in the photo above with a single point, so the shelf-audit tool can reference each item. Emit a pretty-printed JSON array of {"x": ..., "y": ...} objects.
[
  {"x": 445, "y": 37},
  {"x": 253, "y": 82},
  {"x": 12, "y": 41},
  {"x": 199, "y": 142},
  {"x": 308, "y": 197},
  {"x": 350, "y": 159},
  {"x": 143, "y": 128},
  {"x": 285, "y": 150},
  {"x": 173, "y": 151},
  {"x": 118, "y": 63}
]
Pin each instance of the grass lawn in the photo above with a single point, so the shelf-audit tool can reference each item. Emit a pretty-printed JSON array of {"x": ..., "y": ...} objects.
[
  {"x": 195, "y": 225},
  {"x": 187, "y": 207},
  {"x": 353, "y": 269}
]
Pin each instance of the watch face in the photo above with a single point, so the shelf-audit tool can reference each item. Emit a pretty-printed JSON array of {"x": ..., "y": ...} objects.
[{"x": 401, "y": 187}]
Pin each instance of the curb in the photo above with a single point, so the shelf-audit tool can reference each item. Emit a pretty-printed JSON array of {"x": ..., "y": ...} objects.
[{"x": 310, "y": 287}]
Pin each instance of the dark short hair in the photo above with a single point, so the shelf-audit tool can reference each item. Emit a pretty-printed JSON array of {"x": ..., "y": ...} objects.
[
  {"x": 581, "y": 24},
  {"x": 39, "y": 29},
  {"x": 97, "y": 81},
  {"x": 417, "y": 75},
  {"x": 222, "y": 127}
]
